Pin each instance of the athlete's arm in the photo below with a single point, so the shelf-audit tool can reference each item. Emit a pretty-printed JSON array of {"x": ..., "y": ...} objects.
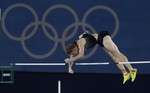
[
  {"x": 70, "y": 64},
  {"x": 80, "y": 43}
]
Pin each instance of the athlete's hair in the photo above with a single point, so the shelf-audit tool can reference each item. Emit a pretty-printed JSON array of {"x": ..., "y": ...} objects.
[{"x": 70, "y": 48}]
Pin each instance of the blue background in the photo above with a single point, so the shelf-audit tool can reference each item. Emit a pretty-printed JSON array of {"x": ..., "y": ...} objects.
[{"x": 132, "y": 37}]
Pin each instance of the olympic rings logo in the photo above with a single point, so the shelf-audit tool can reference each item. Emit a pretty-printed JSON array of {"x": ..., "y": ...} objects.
[{"x": 45, "y": 24}]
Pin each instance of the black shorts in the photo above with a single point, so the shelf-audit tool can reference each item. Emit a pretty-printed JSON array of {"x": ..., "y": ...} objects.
[{"x": 101, "y": 35}]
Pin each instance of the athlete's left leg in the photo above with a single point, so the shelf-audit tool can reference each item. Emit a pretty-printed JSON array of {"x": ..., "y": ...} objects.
[{"x": 111, "y": 49}]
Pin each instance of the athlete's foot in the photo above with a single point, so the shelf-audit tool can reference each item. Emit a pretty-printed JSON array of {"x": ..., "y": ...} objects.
[
  {"x": 126, "y": 77},
  {"x": 133, "y": 74},
  {"x": 70, "y": 70}
]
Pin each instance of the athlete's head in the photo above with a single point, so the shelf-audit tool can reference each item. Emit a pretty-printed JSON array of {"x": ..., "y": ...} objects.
[{"x": 72, "y": 50}]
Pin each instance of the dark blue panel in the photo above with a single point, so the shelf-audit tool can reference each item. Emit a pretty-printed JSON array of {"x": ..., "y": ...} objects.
[{"x": 77, "y": 83}]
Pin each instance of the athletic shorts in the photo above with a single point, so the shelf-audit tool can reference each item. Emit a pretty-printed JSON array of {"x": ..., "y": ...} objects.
[{"x": 101, "y": 35}]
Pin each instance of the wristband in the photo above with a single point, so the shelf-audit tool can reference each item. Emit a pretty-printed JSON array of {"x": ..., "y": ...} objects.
[{"x": 72, "y": 59}]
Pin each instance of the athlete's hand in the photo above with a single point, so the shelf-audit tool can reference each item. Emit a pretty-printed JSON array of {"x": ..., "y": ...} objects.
[
  {"x": 70, "y": 70},
  {"x": 67, "y": 60}
]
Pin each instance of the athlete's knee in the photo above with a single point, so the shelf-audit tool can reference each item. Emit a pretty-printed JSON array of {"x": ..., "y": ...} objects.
[{"x": 122, "y": 57}]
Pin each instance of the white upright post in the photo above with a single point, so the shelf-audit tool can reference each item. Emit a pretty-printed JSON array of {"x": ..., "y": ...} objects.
[{"x": 59, "y": 86}]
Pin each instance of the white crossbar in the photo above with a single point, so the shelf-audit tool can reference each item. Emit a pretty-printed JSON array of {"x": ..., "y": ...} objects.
[
  {"x": 96, "y": 63},
  {"x": 40, "y": 64},
  {"x": 108, "y": 63},
  {"x": 105, "y": 63},
  {"x": 136, "y": 62}
]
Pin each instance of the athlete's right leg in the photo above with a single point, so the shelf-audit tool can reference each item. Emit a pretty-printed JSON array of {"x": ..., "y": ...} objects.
[
  {"x": 112, "y": 50},
  {"x": 126, "y": 75}
]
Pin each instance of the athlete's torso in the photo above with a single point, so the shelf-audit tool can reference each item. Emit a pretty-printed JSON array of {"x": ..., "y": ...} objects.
[{"x": 90, "y": 40}]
